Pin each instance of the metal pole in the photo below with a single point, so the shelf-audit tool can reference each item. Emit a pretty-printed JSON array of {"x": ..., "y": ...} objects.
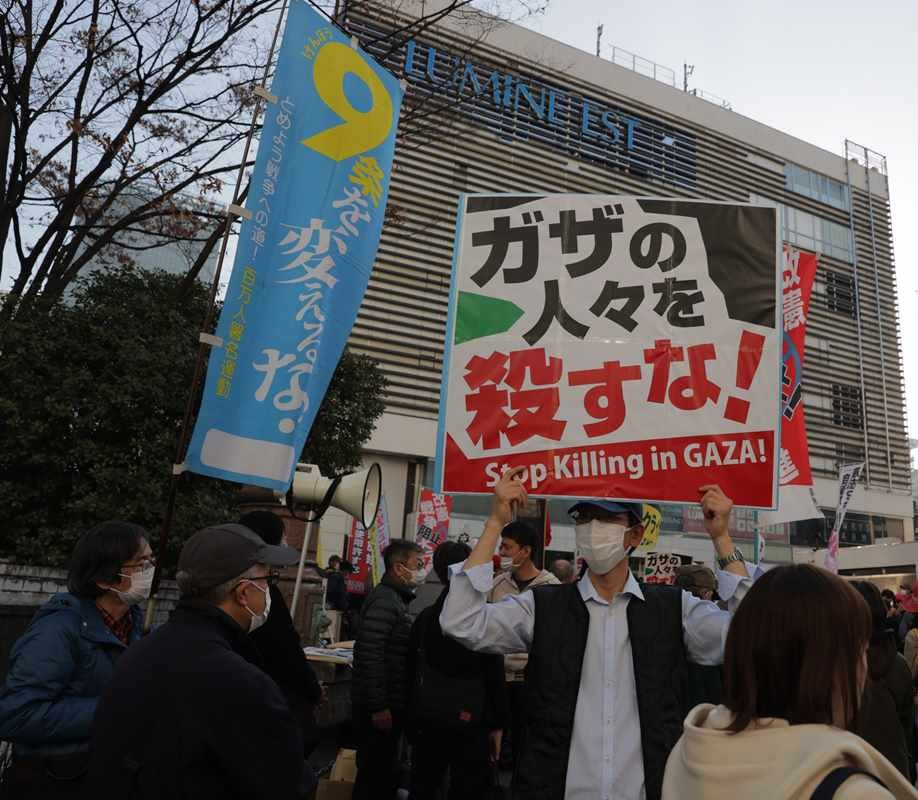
[
  {"x": 307, "y": 537},
  {"x": 185, "y": 433},
  {"x": 876, "y": 288},
  {"x": 857, "y": 310}
]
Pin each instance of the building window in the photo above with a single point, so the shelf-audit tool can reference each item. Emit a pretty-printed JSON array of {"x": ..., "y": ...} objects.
[
  {"x": 810, "y": 232},
  {"x": 819, "y": 187},
  {"x": 855, "y": 530},
  {"x": 847, "y": 411},
  {"x": 817, "y": 348},
  {"x": 848, "y": 453},
  {"x": 840, "y": 295},
  {"x": 816, "y": 234}
]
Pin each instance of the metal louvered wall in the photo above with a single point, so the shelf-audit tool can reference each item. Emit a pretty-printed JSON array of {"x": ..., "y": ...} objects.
[{"x": 854, "y": 393}]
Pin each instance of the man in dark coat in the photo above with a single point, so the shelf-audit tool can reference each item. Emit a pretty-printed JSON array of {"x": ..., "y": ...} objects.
[
  {"x": 190, "y": 711},
  {"x": 460, "y": 705},
  {"x": 885, "y": 719},
  {"x": 279, "y": 643},
  {"x": 379, "y": 688}
]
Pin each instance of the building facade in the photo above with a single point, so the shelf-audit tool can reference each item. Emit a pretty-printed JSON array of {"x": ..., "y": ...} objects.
[{"x": 499, "y": 108}]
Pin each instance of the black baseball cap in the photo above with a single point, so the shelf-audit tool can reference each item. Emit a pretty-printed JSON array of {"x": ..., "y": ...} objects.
[{"x": 219, "y": 553}]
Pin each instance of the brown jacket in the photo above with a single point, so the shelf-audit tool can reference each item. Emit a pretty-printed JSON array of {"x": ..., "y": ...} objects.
[{"x": 504, "y": 586}]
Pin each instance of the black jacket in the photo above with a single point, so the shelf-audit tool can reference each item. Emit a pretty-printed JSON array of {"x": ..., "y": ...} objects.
[
  {"x": 451, "y": 659},
  {"x": 886, "y": 712},
  {"x": 279, "y": 645},
  {"x": 380, "y": 679},
  {"x": 191, "y": 713},
  {"x": 336, "y": 592}
]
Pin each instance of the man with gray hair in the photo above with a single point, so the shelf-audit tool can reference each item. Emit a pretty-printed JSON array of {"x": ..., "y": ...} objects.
[
  {"x": 563, "y": 570},
  {"x": 193, "y": 714}
]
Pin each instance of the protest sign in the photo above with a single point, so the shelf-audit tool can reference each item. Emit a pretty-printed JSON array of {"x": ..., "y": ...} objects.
[
  {"x": 848, "y": 475},
  {"x": 432, "y": 522},
  {"x": 796, "y": 499},
  {"x": 661, "y": 567},
  {"x": 366, "y": 549},
  {"x": 358, "y": 553},
  {"x": 615, "y": 346},
  {"x": 653, "y": 521},
  {"x": 305, "y": 251}
]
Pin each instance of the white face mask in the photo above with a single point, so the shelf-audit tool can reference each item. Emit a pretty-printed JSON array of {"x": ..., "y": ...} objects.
[
  {"x": 259, "y": 619},
  {"x": 602, "y": 544},
  {"x": 417, "y": 576},
  {"x": 141, "y": 583},
  {"x": 506, "y": 562}
]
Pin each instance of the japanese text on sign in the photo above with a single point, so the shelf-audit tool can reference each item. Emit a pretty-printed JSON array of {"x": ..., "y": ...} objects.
[{"x": 613, "y": 338}]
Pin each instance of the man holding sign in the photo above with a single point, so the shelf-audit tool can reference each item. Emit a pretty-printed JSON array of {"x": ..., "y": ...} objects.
[{"x": 606, "y": 655}]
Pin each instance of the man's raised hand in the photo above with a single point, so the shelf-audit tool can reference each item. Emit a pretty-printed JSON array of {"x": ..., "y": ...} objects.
[{"x": 509, "y": 494}]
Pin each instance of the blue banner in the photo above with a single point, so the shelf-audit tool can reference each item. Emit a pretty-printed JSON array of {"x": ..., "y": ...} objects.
[{"x": 317, "y": 197}]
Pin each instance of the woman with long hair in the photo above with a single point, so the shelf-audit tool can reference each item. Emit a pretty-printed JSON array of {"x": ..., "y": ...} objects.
[{"x": 795, "y": 668}]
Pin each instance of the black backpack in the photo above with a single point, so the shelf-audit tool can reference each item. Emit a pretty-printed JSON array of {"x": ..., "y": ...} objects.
[
  {"x": 445, "y": 701},
  {"x": 829, "y": 785}
]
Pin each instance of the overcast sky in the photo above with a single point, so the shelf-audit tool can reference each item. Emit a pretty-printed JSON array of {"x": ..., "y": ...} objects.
[{"x": 820, "y": 71}]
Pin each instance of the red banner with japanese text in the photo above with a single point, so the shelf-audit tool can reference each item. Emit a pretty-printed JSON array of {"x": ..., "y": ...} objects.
[
  {"x": 433, "y": 521},
  {"x": 360, "y": 555},
  {"x": 615, "y": 346},
  {"x": 796, "y": 499}
]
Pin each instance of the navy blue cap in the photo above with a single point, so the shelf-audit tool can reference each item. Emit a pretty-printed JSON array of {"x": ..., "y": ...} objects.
[{"x": 636, "y": 510}]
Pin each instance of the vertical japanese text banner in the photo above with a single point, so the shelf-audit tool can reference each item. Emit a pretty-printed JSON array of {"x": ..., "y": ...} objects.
[
  {"x": 616, "y": 347},
  {"x": 360, "y": 581},
  {"x": 433, "y": 521},
  {"x": 317, "y": 198},
  {"x": 848, "y": 476},
  {"x": 796, "y": 499},
  {"x": 379, "y": 539}
]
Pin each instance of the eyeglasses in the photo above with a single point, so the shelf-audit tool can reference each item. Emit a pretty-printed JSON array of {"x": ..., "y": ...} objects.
[
  {"x": 271, "y": 579},
  {"x": 145, "y": 563}
]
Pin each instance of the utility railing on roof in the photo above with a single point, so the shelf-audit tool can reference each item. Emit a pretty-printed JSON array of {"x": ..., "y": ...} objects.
[{"x": 643, "y": 66}]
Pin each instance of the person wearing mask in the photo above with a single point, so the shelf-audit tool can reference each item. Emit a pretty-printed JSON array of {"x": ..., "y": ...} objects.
[
  {"x": 459, "y": 704},
  {"x": 794, "y": 673},
  {"x": 279, "y": 643},
  {"x": 336, "y": 586},
  {"x": 563, "y": 570},
  {"x": 885, "y": 720},
  {"x": 191, "y": 712},
  {"x": 59, "y": 667},
  {"x": 604, "y": 683},
  {"x": 519, "y": 546},
  {"x": 379, "y": 686}
]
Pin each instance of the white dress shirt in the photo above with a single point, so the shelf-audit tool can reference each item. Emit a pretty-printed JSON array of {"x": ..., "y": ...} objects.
[{"x": 605, "y": 759}]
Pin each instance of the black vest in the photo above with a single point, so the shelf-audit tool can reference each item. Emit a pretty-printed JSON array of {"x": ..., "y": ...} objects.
[{"x": 553, "y": 681}]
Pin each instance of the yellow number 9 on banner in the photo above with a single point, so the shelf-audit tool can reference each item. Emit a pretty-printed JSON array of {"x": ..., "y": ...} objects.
[{"x": 361, "y": 130}]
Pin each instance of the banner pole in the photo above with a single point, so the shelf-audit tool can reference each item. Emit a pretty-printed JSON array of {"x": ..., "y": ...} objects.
[
  {"x": 307, "y": 537},
  {"x": 233, "y": 210}
]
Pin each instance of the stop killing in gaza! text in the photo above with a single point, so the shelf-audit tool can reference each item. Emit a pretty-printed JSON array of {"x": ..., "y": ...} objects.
[{"x": 592, "y": 463}]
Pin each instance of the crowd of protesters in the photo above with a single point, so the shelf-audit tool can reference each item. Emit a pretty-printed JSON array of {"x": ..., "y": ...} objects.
[{"x": 791, "y": 683}]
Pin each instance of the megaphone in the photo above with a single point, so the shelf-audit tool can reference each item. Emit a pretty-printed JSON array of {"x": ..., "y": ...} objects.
[{"x": 357, "y": 494}]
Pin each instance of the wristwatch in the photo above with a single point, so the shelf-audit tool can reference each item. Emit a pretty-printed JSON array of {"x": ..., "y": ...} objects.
[{"x": 736, "y": 555}]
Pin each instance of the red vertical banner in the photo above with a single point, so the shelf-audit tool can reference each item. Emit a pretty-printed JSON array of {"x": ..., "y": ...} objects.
[
  {"x": 795, "y": 494},
  {"x": 433, "y": 521},
  {"x": 358, "y": 553}
]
